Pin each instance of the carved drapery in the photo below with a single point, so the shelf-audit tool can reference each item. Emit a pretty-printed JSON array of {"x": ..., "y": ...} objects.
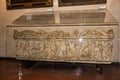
[{"x": 90, "y": 46}]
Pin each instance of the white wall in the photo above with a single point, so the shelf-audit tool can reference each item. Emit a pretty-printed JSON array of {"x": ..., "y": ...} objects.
[
  {"x": 7, "y": 16},
  {"x": 114, "y": 8}
]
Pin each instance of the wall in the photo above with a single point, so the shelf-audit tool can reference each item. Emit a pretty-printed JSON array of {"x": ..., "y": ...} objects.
[
  {"x": 113, "y": 7},
  {"x": 7, "y": 16}
]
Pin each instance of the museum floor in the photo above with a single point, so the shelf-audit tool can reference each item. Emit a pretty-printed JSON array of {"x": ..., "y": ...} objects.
[{"x": 58, "y": 71}]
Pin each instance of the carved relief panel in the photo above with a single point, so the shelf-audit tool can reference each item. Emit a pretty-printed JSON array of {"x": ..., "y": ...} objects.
[{"x": 90, "y": 46}]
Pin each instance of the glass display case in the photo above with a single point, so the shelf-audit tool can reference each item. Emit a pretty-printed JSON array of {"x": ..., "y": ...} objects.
[
  {"x": 81, "y": 38},
  {"x": 89, "y": 36},
  {"x": 71, "y": 36}
]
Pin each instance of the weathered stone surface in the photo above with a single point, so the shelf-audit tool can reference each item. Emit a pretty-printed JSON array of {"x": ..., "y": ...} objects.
[{"x": 90, "y": 46}]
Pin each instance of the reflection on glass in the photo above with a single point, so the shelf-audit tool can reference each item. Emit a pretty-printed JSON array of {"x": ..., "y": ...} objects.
[
  {"x": 80, "y": 39},
  {"x": 20, "y": 74},
  {"x": 99, "y": 77}
]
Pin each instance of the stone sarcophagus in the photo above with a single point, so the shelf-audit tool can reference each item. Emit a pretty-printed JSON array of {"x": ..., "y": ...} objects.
[
  {"x": 70, "y": 36},
  {"x": 88, "y": 46}
]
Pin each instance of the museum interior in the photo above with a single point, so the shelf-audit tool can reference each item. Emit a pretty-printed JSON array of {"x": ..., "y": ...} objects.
[{"x": 59, "y": 40}]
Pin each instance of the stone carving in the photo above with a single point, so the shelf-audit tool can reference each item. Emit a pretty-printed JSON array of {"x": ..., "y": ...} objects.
[
  {"x": 90, "y": 46},
  {"x": 62, "y": 34}
]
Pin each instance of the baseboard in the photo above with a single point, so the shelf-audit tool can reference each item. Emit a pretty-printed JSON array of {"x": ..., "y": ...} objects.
[
  {"x": 10, "y": 58},
  {"x": 116, "y": 63}
]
